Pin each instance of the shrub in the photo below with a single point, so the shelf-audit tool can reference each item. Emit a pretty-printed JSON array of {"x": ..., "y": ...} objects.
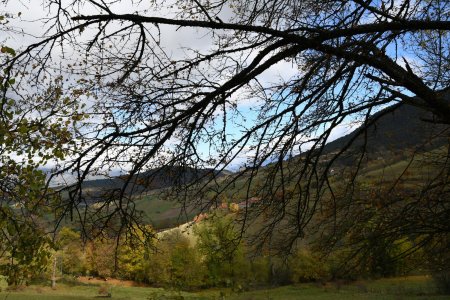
[{"x": 305, "y": 267}]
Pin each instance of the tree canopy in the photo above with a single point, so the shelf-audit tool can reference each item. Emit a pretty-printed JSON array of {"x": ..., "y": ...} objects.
[{"x": 114, "y": 92}]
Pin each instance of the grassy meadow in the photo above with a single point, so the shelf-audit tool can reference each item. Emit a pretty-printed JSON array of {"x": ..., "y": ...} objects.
[{"x": 412, "y": 287}]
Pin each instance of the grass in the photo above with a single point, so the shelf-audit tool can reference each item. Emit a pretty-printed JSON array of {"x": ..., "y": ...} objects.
[
  {"x": 413, "y": 287},
  {"x": 162, "y": 213},
  {"x": 417, "y": 287},
  {"x": 421, "y": 169}
]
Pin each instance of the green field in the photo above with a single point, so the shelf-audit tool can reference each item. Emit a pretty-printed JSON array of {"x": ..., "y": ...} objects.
[{"x": 417, "y": 287}]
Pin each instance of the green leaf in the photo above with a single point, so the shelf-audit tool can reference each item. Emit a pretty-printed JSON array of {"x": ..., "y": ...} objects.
[
  {"x": 8, "y": 50},
  {"x": 9, "y": 115}
]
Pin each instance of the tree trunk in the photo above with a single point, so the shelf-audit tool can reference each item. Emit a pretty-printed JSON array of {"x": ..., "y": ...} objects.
[{"x": 54, "y": 273}]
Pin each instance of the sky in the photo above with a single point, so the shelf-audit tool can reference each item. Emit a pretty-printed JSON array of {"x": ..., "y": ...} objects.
[{"x": 173, "y": 39}]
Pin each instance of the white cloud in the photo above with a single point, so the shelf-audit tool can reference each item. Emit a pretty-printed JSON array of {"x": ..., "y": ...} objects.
[{"x": 173, "y": 40}]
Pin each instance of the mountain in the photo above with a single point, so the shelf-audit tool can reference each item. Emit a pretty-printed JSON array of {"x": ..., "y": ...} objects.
[
  {"x": 171, "y": 175},
  {"x": 405, "y": 128},
  {"x": 149, "y": 180},
  {"x": 392, "y": 134},
  {"x": 402, "y": 129}
]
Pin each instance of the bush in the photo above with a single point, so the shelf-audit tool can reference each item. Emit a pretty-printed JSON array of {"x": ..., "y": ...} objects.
[
  {"x": 259, "y": 271},
  {"x": 305, "y": 267}
]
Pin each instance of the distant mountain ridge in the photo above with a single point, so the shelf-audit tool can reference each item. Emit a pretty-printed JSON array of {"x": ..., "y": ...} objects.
[{"x": 152, "y": 179}]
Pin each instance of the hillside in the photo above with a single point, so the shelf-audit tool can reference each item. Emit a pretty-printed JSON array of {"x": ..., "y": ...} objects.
[
  {"x": 147, "y": 181},
  {"x": 390, "y": 141},
  {"x": 403, "y": 129}
]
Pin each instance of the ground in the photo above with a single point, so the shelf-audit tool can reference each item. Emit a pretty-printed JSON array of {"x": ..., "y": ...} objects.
[{"x": 412, "y": 287}]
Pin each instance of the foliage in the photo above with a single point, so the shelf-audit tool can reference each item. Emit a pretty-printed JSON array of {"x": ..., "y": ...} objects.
[
  {"x": 133, "y": 253},
  {"x": 105, "y": 256},
  {"x": 24, "y": 246},
  {"x": 219, "y": 243},
  {"x": 102, "y": 257},
  {"x": 174, "y": 263},
  {"x": 33, "y": 131},
  {"x": 157, "y": 266},
  {"x": 370, "y": 229},
  {"x": 229, "y": 259},
  {"x": 70, "y": 245},
  {"x": 186, "y": 269},
  {"x": 306, "y": 267},
  {"x": 25, "y": 250}
]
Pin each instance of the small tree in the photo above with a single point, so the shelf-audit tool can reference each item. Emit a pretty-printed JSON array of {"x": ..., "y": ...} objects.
[
  {"x": 175, "y": 263},
  {"x": 222, "y": 249},
  {"x": 133, "y": 251},
  {"x": 101, "y": 257},
  {"x": 187, "y": 270},
  {"x": 71, "y": 250}
]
